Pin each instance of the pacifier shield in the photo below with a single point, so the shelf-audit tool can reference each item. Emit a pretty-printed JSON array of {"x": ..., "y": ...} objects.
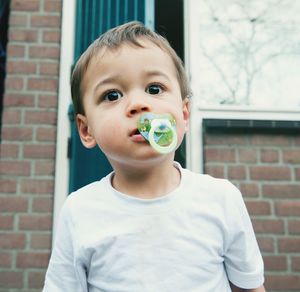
[{"x": 159, "y": 130}]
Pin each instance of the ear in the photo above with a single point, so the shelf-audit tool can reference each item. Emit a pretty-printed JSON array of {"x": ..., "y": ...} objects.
[
  {"x": 86, "y": 137},
  {"x": 186, "y": 112}
]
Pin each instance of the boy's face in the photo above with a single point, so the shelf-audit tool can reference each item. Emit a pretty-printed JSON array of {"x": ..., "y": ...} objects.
[{"x": 118, "y": 87}]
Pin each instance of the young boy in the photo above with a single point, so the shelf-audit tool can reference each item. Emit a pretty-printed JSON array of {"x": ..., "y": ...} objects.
[{"x": 150, "y": 225}]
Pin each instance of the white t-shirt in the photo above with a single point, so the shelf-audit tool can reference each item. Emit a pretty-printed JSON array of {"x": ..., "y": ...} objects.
[{"x": 196, "y": 238}]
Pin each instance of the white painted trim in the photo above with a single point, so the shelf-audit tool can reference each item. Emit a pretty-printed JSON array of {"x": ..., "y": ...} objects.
[
  {"x": 186, "y": 29},
  {"x": 150, "y": 14},
  {"x": 249, "y": 113},
  {"x": 64, "y": 99}
]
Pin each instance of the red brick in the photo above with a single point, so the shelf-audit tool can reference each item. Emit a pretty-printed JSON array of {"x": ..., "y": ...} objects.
[
  {"x": 17, "y": 134},
  {"x": 32, "y": 260},
  {"x": 14, "y": 50},
  {"x": 269, "y": 156},
  {"x": 18, "y": 20},
  {"x": 53, "y": 5},
  {"x": 219, "y": 155},
  {"x": 249, "y": 189},
  {"x": 47, "y": 101},
  {"x": 36, "y": 279},
  {"x": 296, "y": 263},
  {"x": 272, "y": 140},
  {"x": 266, "y": 244},
  {"x": 13, "y": 204},
  {"x": 44, "y": 52},
  {"x": 224, "y": 139},
  {"x": 46, "y": 134},
  {"x": 28, "y": 5},
  {"x": 35, "y": 222},
  {"x": 23, "y": 35},
  {"x": 40, "y": 241},
  {"x": 258, "y": 207},
  {"x": 45, "y": 21},
  {"x": 247, "y": 155},
  {"x": 282, "y": 282},
  {"x": 9, "y": 150},
  {"x": 49, "y": 84},
  {"x": 44, "y": 167},
  {"x": 24, "y": 67},
  {"x": 289, "y": 244},
  {"x": 281, "y": 190},
  {"x": 14, "y": 83},
  {"x": 5, "y": 260},
  {"x": 297, "y": 173},
  {"x": 40, "y": 117},
  {"x": 39, "y": 151},
  {"x": 294, "y": 226},
  {"x": 268, "y": 226},
  {"x": 291, "y": 156},
  {"x": 6, "y": 222},
  {"x": 51, "y": 36},
  {"x": 11, "y": 279},
  {"x": 19, "y": 100},
  {"x": 270, "y": 173},
  {"x": 215, "y": 170},
  {"x": 15, "y": 168},
  {"x": 275, "y": 263},
  {"x": 287, "y": 208},
  {"x": 42, "y": 205},
  {"x": 49, "y": 69},
  {"x": 12, "y": 241},
  {"x": 11, "y": 116},
  {"x": 8, "y": 185},
  {"x": 237, "y": 172},
  {"x": 35, "y": 186}
]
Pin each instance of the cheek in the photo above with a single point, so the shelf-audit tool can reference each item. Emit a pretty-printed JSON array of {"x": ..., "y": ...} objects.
[
  {"x": 181, "y": 126},
  {"x": 107, "y": 136},
  {"x": 180, "y": 133}
]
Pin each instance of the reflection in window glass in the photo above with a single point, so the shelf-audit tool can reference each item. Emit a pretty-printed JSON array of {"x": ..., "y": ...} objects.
[{"x": 248, "y": 52}]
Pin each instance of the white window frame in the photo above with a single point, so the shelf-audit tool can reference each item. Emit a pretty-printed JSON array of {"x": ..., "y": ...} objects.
[
  {"x": 194, "y": 148},
  {"x": 61, "y": 186}
]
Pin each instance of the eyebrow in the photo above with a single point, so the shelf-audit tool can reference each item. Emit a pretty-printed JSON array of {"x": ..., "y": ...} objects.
[
  {"x": 107, "y": 80},
  {"x": 156, "y": 73}
]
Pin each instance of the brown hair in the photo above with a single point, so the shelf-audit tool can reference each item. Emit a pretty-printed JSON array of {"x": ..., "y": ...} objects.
[{"x": 113, "y": 39}]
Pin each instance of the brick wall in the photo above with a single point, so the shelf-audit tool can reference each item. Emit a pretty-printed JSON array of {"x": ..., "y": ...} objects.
[
  {"x": 266, "y": 168},
  {"x": 28, "y": 143}
]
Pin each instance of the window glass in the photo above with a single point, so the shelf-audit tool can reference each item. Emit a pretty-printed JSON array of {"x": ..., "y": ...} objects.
[{"x": 245, "y": 52}]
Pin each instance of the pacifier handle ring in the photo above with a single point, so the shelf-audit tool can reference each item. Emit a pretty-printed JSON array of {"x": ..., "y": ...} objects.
[{"x": 162, "y": 149}]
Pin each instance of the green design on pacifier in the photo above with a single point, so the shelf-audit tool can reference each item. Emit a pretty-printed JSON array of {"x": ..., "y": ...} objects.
[{"x": 159, "y": 130}]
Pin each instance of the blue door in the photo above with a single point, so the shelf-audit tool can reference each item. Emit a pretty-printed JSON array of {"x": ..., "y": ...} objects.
[{"x": 93, "y": 17}]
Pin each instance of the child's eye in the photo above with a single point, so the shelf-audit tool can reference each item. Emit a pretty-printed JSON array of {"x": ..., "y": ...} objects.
[
  {"x": 154, "y": 89},
  {"x": 112, "y": 95}
]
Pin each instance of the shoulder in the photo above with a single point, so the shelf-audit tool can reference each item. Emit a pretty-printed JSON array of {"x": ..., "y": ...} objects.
[
  {"x": 210, "y": 186},
  {"x": 215, "y": 195},
  {"x": 88, "y": 197}
]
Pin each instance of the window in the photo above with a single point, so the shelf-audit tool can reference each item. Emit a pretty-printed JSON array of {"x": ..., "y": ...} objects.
[
  {"x": 243, "y": 60},
  {"x": 245, "y": 53}
]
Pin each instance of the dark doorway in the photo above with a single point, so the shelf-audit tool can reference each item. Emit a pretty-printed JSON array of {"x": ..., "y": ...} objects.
[
  {"x": 169, "y": 16},
  {"x": 169, "y": 23},
  {"x": 4, "y": 12}
]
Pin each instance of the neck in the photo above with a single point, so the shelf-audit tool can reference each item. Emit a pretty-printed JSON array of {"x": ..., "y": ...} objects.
[{"x": 147, "y": 183}]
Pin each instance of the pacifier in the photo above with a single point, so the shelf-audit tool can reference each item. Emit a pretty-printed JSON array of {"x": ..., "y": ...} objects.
[{"x": 159, "y": 130}]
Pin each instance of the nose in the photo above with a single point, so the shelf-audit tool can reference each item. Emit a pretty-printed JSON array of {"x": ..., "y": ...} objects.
[{"x": 137, "y": 105}]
